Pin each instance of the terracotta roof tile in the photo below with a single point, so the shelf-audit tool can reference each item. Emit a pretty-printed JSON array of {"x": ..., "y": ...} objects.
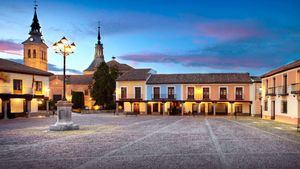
[
  {"x": 14, "y": 67},
  {"x": 289, "y": 66},
  {"x": 135, "y": 75},
  {"x": 75, "y": 79},
  {"x": 199, "y": 78}
]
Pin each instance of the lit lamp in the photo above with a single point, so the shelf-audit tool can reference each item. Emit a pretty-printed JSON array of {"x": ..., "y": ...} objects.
[{"x": 64, "y": 108}]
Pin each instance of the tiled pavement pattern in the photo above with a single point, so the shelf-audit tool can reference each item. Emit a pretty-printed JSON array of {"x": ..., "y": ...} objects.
[{"x": 107, "y": 141}]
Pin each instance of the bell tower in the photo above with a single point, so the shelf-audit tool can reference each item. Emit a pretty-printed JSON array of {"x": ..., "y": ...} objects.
[{"x": 35, "y": 50}]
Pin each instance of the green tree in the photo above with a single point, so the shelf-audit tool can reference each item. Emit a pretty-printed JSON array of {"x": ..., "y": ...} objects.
[
  {"x": 104, "y": 83},
  {"x": 77, "y": 100}
]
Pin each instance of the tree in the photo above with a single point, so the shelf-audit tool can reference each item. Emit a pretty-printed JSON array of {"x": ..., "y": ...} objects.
[
  {"x": 77, "y": 100},
  {"x": 104, "y": 83}
]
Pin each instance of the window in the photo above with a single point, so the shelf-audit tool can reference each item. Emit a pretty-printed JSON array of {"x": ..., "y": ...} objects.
[
  {"x": 138, "y": 92},
  {"x": 171, "y": 92},
  {"x": 34, "y": 53},
  {"x": 29, "y": 53},
  {"x": 266, "y": 106},
  {"x": 205, "y": 93},
  {"x": 86, "y": 92},
  {"x": 223, "y": 93},
  {"x": 17, "y": 86},
  {"x": 284, "y": 106},
  {"x": 190, "y": 93},
  {"x": 238, "y": 108},
  {"x": 123, "y": 92},
  {"x": 38, "y": 86},
  {"x": 239, "y": 93},
  {"x": 156, "y": 92}
]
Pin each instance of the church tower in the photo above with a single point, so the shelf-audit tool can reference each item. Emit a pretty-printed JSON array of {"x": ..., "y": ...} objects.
[
  {"x": 35, "y": 50},
  {"x": 98, "y": 57}
]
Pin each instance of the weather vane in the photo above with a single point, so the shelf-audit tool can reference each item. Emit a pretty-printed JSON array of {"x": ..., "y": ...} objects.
[{"x": 35, "y": 4}]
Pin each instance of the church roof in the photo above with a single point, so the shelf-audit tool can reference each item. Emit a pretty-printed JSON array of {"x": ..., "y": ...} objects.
[
  {"x": 120, "y": 66},
  {"x": 14, "y": 67},
  {"x": 35, "y": 31},
  {"x": 75, "y": 79},
  {"x": 113, "y": 63}
]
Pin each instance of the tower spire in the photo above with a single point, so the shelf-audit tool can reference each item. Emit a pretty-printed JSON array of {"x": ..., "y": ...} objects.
[
  {"x": 35, "y": 26},
  {"x": 99, "y": 37}
]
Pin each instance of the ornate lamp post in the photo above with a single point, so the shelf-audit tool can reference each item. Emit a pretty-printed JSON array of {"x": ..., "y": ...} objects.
[{"x": 64, "y": 108}]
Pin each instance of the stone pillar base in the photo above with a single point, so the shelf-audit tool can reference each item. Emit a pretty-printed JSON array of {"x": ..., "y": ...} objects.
[{"x": 64, "y": 117}]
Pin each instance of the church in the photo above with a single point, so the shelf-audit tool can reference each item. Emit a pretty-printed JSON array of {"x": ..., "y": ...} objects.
[{"x": 82, "y": 83}]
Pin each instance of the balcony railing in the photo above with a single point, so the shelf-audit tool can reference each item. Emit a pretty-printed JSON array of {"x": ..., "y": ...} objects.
[
  {"x": 131, "y": 97},
  {"x": 239, "y": 97},
  {"x": 282, "y": 90},
  {"x": 295, "y": 88},
  {"x": 163, "y": 96},
  {"x": 190, "y": 97},
  {"x": 271, "y": 91},
  {"x": 223, "y": 97},
  {"x": 206, "y": 97}
]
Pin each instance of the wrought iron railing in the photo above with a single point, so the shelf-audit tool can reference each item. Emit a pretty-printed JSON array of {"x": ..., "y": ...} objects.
[{"x": 271, "y": 91}]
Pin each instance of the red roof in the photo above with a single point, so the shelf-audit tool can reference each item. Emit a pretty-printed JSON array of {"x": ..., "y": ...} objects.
[{"x": 289, "y": 66}]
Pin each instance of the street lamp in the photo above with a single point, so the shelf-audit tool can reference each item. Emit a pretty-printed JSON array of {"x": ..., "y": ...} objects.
[
  {"x": 63, "y": 48},
  {"x": 64, "y": 108}
]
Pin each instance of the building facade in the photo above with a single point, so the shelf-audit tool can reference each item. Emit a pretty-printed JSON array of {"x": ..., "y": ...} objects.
[
  {"x": 23, "y": 90},
  {"x": 142, "y": 91},
  {"x": 280, "y": 94}
]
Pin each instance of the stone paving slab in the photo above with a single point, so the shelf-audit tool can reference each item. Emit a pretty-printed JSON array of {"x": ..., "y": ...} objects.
[{"x": 107, "y": 141}]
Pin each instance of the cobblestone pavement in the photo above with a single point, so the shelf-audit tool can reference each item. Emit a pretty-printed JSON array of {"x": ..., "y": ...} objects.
[{"x": 107, "y": 141}]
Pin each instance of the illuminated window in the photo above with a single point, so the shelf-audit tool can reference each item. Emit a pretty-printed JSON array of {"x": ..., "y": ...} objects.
[
  {"x": 17, "y": 86},
  {"x": 38, "y": 86}
]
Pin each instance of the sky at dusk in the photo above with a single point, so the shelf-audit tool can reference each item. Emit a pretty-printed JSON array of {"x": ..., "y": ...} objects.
[{"x": 167, "y": 35}]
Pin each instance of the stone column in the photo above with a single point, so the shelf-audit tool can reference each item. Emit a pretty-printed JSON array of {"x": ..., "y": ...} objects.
[
  {"x": 146, "y": 107},
  {"x": 182, "y": 108},
  {"x": 163, "y": 107},
  {"x": 231, "y": 104},
  {"x": 64, "y": 117},
  {"x": 117, "y": 108},
  {"x": 214, "y": 105},
  {"x": 131, "y": 107},
  {"x": 5, "y": 105},
  {"x": 198, "y": 108},
  {"x": 28, "y": 103}
]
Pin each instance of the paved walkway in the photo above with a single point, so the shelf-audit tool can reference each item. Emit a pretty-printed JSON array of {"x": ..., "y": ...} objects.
[{"x": 106, "y": 141}]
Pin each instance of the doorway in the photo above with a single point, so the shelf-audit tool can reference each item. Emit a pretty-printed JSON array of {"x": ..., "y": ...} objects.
[
  {"x": 273, "y": 110},
  {"x": 136, "y": 107}
]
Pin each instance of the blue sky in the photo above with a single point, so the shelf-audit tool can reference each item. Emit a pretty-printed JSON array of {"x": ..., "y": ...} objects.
[{"x": 167, "y": 35}]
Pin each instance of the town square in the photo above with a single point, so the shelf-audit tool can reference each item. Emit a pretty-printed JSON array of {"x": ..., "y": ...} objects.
[{"x": 125, "y": 84}]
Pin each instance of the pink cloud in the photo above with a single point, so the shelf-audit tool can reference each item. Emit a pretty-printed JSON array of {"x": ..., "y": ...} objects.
[
  {"x": 211, "y": 61},
  {"x": 10, "y": 47},
  {"x": 228, "y": 30}
]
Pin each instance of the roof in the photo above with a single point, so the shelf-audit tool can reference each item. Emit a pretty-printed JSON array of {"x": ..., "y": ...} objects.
[
  {"x": 256, "y": 79},
  {"x": 289, "y": 66},
  {"x": 14, "y": 67},
  {"x": 135, "y": 75},
  {"x": 205, "y": 78},
  {"x": 120, "y": 66},
  {"x": 75, "y": 79}
]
